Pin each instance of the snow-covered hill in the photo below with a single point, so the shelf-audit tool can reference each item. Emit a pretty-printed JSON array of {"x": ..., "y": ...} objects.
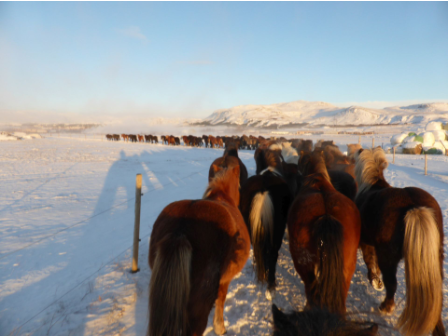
[{"x": 321, "y": 113}]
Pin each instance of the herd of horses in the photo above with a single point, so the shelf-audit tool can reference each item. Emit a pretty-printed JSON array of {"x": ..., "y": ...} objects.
[
  {"x": 208, "y": 141},
  {"x": 331, "y": 205}
]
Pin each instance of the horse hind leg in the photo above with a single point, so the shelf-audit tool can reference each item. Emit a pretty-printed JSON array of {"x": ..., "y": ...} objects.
[
  {"x": 373, "y": 272},
  {"x": 388, "y": 266},
  {"x": 218, "y": 320},
  {"x": 271, "y": 265}
]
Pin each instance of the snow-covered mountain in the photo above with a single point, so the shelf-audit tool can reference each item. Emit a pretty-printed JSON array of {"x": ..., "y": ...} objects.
[{"x": 325, "y": 114}]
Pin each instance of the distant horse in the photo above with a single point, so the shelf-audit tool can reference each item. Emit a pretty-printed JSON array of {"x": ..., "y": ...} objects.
[
  {"x": 141, "y": 138},
  {"x": 196, "y": 248},
  {"x": 177, "y": 141},
  {"x": 205, "y": 138},
  {"x": 401, "y": 223},
  {"x": 132, "y": 137},
  {"x": 125, "y": 137},
  {"x": 335, "y": 160},
  {"x": 324, "y": 229},
  {"x": 155, "y": 139},
  {"x": 220, "y": 142},
  {"x": 171, "y": 140},
  {"x": 212, "y": 140},
  {"x": 148, "y": 138},
  {"x": 186, "y": 140},
  {"x": 229, "y": 159},
  {"x": 264, "y": 204},
  {"x": 311, "y": 163},
  {"x": 351, "y": 150},
  {"x": 318, "y": 322}
]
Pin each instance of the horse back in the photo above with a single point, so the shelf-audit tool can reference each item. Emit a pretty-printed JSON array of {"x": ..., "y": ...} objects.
[
  {"x": 214, "y": 230},
  {"x": 383, "y": 211}
]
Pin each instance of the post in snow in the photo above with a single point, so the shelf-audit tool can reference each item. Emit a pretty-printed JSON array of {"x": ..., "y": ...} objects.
[{"x": 138, "y": 197}]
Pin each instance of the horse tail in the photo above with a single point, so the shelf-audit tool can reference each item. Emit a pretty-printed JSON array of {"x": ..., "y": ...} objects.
[
  {"x": 328, "y": 287},
  {"x": 262, "y": 228},
  {"x": 421, "y": 251},
  {"x": 169, "y": 288}
]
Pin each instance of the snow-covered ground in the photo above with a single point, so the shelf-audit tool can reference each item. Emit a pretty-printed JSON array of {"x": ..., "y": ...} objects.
[{"x": 66, "y": 228}]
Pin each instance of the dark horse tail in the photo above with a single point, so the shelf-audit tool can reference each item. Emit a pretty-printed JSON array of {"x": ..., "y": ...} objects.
[
  {"x": 169, "y": 288},
  {"x": 421, "y": 250},
  {"x": 328, "y": 287}
]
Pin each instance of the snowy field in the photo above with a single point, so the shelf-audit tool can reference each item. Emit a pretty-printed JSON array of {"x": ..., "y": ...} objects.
[{"x": 66, "y": 228}]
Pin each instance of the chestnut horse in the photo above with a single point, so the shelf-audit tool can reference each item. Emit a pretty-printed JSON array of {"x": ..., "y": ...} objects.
[
  {"x": 264, "y": 204},
  {"x": 196, "y": 248},
  {"x": 401, "y": 223},
  {"x": 324, "y": 229},
  {"x": 310, "y": 163},
  {"x": 229, "y": 159},
  {"x": 318, "y": 322}
]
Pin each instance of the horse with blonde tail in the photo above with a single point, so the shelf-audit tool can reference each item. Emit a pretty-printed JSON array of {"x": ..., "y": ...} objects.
[
  {"x": 401, "y": 223},
  {"x": 264, "y": 204},
  {"x": 196, "y": 248}
]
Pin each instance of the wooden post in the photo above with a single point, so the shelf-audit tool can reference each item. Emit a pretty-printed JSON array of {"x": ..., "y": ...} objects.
[
  {"x": 359, "y": 140},
  {"x": 138, "y": 195},
  {"x": 373, "y": 143},
  {"x": 426, "y": 164},
  {"x": 394, "y": 156}
]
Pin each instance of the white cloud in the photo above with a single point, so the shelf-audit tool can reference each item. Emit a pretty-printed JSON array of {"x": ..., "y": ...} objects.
[{"x": 133, "y": 32}]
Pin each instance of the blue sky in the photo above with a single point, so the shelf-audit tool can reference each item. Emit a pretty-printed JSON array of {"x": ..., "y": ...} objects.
[{"x": 187, "y": 59}]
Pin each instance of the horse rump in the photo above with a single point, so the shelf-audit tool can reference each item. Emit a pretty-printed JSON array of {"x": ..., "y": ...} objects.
[{"x": 169, "y": 287}]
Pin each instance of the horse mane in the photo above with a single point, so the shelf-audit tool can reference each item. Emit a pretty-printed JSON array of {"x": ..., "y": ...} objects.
[
  {"x": 369, "y": 167},
  {"x": 220, "y": 181},
  {"x": 273, "y": 159},
  {"x": 317, "y": 181},
  {"x": 319, "y": 165}
]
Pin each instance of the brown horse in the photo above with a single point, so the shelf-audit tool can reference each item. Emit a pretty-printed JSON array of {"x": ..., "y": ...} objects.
[
  {"x": 196, "y": 248},
  {"x": 311, "y": 163},
  {"x": 229, "y": 159},
  {"x": 401, "y": 223},
  {"x": 264, "y": 204},
  {"x": 324, "y": 229},
  {"x": 318, "y": 322}
]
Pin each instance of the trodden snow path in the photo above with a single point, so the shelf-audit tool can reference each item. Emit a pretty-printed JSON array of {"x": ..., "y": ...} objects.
[{"x": 66, "y": 227}]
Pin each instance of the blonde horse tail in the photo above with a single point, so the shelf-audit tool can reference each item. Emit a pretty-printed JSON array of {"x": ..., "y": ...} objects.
[
  {"x": 421, "y": 252},
  {"x": 262, "y": 228},
  {"x": 169, "y": 288}
]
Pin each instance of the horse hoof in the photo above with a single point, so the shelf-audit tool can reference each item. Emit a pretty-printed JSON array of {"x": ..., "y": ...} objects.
[
  {"x": 220, "y": 330},
  {"x": 386, "y": 309},
  {"x": 270, "y": 294},
  {"x": 377, "y": 284}
]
